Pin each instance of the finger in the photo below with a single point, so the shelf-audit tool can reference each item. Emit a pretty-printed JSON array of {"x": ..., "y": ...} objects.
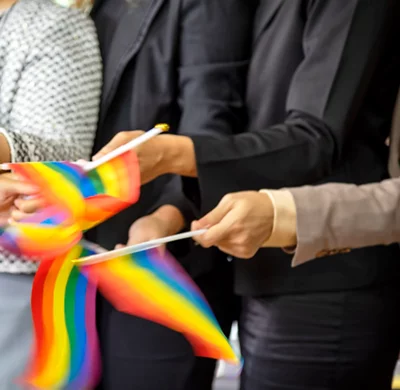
[
  {"x": 120, "y": 139},
  {"x": 12, "y": 187},
  {"x": 29, "y": 206},
  {"x": 17, "y": 215},
  {"x": 119, "y": 246},
  {"x": 214, "y": 216},
  {"x": 219, "y": 232},
  {"x": 238, "y": 251},
  {"x": 107, "y": 149},
  {"x": 196, "y": 225},
  {"x": 136, "y": 239},
  {"x": 3, "y": 221},
  {"x": 7, "y": 203}
]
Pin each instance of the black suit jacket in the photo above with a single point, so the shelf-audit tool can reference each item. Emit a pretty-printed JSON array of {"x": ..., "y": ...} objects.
[
  {"x": 182, "y": 62},
  {"x": 321, "y": 89}
]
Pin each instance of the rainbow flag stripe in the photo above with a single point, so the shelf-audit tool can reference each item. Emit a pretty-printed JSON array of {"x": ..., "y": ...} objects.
[
  {"x": 46, "y": 234},
  {"x": 66, "y": 350},
  {"x": 91, "y": 197},
  {"x": 77, "y": 200},
  {"x": 153, "y": 286}
]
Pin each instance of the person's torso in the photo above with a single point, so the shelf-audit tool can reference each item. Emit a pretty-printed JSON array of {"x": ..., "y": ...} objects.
[
  {"x": 139, "y": 43},
  {"x": 278, "y": 51}
]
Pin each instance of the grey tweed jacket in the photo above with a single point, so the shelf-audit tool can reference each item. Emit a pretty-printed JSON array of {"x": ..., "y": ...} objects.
[{"x": 50, "y": 86}]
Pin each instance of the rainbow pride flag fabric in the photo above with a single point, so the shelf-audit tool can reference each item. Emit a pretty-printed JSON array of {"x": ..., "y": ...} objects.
[
  {"x": 145, "y": 284},
  {"x": 66, "y": 349},
  {"x": 90, "y": 197},
  {"x": 155, "y": 287},
  {"x": 77, "y": 201}
]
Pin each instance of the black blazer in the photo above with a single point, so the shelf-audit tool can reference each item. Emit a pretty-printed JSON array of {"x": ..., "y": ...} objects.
[
  {"x": 182, "y": 62},
  {"x": 321, "y": 90}
]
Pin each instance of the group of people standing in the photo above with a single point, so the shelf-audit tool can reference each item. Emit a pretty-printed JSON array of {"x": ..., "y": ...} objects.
[{"x": 263, "y": 94}]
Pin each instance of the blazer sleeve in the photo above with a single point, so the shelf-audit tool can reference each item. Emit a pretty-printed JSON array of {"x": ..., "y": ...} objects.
[
  {"x": 341, "y": 42},
  {"x": 215, "y": 48},
  {"x": 55, "y": 111},
  {"x": 334, "y": 217}
]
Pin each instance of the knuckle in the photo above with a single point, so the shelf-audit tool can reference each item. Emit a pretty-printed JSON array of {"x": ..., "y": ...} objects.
[
  {"x": 122, "y": 135},
  {"x": 228, "y": 198},
  {"x": 206, "y": 242}
]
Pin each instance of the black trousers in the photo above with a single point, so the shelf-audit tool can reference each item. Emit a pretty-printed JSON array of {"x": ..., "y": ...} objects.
[
  {"x": 141, "y": 355},
  {"x": 324, "y": 341},
  {"x": 217, "y": 287}
]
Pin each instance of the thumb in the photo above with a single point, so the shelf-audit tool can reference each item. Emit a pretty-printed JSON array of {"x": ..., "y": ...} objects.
[
  {"x": 218, "y": 232},
  {"x": 214, "y": 217}
]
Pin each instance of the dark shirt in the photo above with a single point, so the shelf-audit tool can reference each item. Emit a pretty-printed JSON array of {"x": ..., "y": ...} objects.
[{"x": 321, "y": 90}]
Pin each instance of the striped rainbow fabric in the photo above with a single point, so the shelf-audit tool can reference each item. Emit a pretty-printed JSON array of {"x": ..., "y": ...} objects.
[
  {"x": 46, "y": 234},
  {"x": 155, "y": 287},
  {"x": 66, "y": 350},
  {"x": 145, "y": 284},
  {"x": 77, "y": 200}
]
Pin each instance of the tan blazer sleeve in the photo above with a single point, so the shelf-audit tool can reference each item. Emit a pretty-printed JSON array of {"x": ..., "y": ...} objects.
[{"x": 333, "y": 218}]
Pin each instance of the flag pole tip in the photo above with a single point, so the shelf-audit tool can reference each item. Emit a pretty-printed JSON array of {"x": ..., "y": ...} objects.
[{"x": 162, "y": 126}]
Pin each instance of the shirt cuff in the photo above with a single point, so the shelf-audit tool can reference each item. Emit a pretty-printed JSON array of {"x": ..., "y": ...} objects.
[{"x": 284, "y": 232}]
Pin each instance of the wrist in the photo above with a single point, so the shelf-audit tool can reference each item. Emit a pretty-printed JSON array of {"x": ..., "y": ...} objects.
[
  {"x": 178, "y": 156},
  {"x": 284, "y": 232}
]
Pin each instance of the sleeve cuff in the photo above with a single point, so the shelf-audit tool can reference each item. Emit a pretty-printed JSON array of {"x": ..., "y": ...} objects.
[{"x": 284, "y": 233}]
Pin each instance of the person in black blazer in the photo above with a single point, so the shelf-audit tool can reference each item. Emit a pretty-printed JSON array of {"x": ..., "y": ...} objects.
[
  {"x": 181, "y": 62},
  {"x": 321, "y": 89}
]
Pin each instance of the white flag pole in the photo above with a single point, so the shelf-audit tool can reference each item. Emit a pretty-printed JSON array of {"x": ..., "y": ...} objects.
[
  {"x": 158, "y": 129},
  {"x": 101, "y": 257}
]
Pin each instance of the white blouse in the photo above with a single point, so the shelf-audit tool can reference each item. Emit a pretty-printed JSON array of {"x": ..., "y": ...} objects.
[{"x": 50, "y": 87}]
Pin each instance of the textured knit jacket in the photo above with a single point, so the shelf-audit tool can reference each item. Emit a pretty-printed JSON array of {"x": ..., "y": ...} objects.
[{"x": 50, "y": 86}]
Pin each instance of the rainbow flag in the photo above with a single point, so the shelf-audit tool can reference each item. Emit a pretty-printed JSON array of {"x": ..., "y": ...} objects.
[
  {"x": 46, "y": 234},
  {"x": 155, "y": 287},
  {"x": 78, "y": 200},
  {"x": 91, "y": 197},
  {"x": 66, "y": 350}
]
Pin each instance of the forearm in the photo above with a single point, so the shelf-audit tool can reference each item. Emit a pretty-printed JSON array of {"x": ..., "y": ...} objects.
[
  {"x": 334, "y": 217},
  {"x": 178, "y": 155},
  {"x": 5, "y": 149}
]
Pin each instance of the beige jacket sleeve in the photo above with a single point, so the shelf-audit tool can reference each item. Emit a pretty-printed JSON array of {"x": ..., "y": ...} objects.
[{"x": 334, "y": 218}]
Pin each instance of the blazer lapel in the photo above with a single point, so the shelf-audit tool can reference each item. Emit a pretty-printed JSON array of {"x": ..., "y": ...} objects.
[
  {"x": 127, "y": 41},
  {"x": 394, "y": 157},
  {"x": 266, "y": 12}
]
